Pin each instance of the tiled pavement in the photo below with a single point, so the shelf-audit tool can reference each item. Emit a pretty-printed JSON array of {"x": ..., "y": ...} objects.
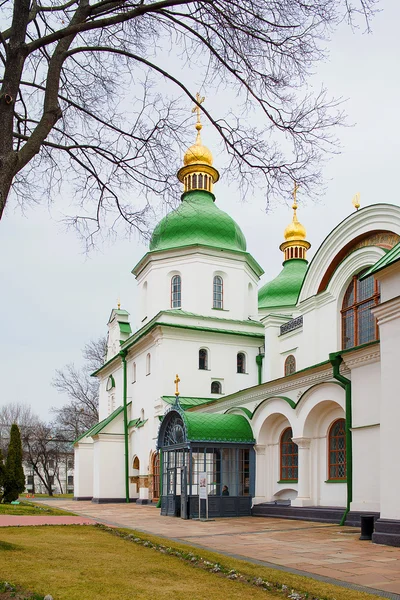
[{"x": 327, "y": 551}]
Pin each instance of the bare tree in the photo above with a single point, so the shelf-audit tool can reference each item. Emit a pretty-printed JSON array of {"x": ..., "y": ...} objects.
[
  {"x": 46, "y": 451},
  {"x": 92, "y": 94},
  {"x": 82, "y": 390},
  {"x": 14, "y": 412}
]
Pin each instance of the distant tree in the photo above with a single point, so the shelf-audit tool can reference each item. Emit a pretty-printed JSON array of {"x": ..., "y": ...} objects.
[
  {"x": 2, "y": 475},
  {"x": 92, "y": 94},
  {"x": 47, "y": 449},
  {"x": 81, "y": 412},
  {"x": 14, "y": 472}
]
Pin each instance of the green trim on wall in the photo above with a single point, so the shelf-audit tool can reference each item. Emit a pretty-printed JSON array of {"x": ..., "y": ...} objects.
[
  {"x": 246, "y": 411},
  {"x": 288, "y": 481},
  {"x": 291, "y": 403}
]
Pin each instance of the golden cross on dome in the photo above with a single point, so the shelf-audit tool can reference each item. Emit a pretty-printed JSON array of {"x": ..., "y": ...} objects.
[
  {"x": 176, "y": 382},
  {"x": 196, "y": 109},
  {"x": 294, "y": 194},
  {"x": 356, "y": 201},
  {"x": 119, "y": 303}
]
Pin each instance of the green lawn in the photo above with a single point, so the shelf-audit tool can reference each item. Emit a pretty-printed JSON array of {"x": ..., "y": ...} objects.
[
  {"x": 88, "y": 563},
  {"x": 29, "y": 508},
  {"x": 54, "y": 496}
]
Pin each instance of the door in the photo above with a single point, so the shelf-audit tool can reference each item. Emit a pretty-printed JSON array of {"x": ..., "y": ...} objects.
[{"x": 184, "y": 497}]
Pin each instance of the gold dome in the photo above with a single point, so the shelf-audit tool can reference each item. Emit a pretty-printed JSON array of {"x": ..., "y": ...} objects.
[
  {"x": 197, "y": 172},
  {"x": 295, "y": 231},
  {"x": 198, "y": 154}
]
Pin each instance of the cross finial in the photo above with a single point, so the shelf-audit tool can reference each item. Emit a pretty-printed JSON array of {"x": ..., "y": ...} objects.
[
  {"x": 294, "y": 194},
  {"x": 119, "y": 303},
  {"x": 356, "y": 201},
  {"x": 196, "y": 109},
  {"x": 176, "y": 382}
]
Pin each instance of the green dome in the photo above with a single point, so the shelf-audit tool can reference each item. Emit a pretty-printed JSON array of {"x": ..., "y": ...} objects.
[
  {"x": 198, "y": 221},
  {"x": 284, "y": 289}
]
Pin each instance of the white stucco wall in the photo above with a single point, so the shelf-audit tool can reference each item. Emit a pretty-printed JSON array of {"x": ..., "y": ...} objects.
[{"x": 197, "y": 270}]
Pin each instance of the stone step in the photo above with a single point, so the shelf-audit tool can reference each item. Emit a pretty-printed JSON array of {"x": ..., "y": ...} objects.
[{"x": 310, "y": 513}]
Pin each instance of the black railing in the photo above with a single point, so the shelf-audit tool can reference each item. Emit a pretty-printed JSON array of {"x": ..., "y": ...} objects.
[{"x": 292, "y": 325}]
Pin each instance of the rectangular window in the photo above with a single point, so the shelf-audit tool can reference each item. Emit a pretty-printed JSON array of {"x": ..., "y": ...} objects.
[{"x": 70, "y": 480}]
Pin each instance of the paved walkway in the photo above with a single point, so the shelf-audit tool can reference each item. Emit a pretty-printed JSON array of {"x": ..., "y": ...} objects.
[{"x": 327, "y": 552}]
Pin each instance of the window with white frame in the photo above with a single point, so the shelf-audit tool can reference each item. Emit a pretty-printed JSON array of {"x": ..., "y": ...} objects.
[
  {"x": 203, "y": 359},
  {"x": 218, "y": 292},
  {"x": 241, "y": 362},
  {"x": 148, "y": 364},
  {"x": 216, "y": 387},
  {"x": 134, "y": 372},
  {"x": 176, "y": 291}
]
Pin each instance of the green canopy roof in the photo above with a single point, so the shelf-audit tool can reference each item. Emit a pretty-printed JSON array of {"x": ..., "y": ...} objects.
[
  {"x": 284, "y": 289},
  {"x": 187, "y": 402},
  {"x": 198, "y": 221},
  {"x": 387, "y": 259},
  {"x": 206, "y": 427}
]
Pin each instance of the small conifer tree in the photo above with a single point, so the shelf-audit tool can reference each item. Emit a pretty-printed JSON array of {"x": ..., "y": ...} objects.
[
  {"x": 2, "y": 475},
  {"x": 14, "y": 472}
]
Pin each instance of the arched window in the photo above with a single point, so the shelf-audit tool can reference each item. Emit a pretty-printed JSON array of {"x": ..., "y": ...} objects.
[
  {"x": 203, "y": 359},
  {"x": 337, "y": 450},
  {"x": 216, "y": 387},
  {"x": 176, "y": 287},
  {"x": 142, "y": 414},
  {"x": 134, "y": 372},
  {"x": 135, "y": 464},
  {"x": 218, "y": 292},
  {"x": 289, "y": 456},
  {"x": 156, "y": 475},
  {"x": 290, "y": 365},
  {"x": 358, "y": 323},
  {"x": 148, "y": 364},
  {"x": 241, "y": 362}
]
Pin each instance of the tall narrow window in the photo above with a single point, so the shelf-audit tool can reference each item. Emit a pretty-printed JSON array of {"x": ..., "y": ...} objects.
[
  {"x": 289, "y": 456},
  {"x": 148, "y": 364},
  {"x": 203, "y": 359},
  {"x": 176, "y": 295},
  {"x": 337, "y": 450},
  {"x": 290, "y": 365},
  {"x": 216, "y": 387},
  {"x": 134, "y": 372},
  {"x": 358, "y": 323},
  {"x": 241, "y": 363},
  {"x": 156, "y": 475},
  {"x": 218, "y": 292}
]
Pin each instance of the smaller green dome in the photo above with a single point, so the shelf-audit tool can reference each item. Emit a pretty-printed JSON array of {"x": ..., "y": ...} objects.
[
  {"x": 284, "y": 289},
  {"x": 198, "y": 221}
]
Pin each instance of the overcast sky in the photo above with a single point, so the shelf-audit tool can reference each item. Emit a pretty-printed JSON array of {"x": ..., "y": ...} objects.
[{"x": 55, "y": 298}]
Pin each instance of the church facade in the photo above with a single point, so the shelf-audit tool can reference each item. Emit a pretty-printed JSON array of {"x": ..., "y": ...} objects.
[{"x": 288, "y": 393}]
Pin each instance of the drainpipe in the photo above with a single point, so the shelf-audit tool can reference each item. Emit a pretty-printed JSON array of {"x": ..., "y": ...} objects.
[
  {"x": 158, "y": 505},
  {"x": 123, "y": 354},
  {"x": 259, "y": 361},
  {"x": 336, "y": 360}
]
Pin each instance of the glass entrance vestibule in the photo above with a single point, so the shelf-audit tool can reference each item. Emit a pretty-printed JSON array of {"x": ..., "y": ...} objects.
[{"x": 206, "y": 450}]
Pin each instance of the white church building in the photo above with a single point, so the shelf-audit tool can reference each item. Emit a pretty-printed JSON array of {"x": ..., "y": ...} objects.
[{"x": 287, "y": 398}]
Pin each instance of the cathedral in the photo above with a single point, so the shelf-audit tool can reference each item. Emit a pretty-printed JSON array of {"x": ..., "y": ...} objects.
[{"x": 286, "y": 401}]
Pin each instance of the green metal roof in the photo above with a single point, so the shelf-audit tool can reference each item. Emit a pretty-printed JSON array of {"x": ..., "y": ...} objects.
[
  {"x": 187, "y": 402},
  {"x": 387, "y": 259},
  {"x": 204, "y": 427},
  {"x": 284, "y": 289},
  {"x": 198, "y": 220},
  {"x": 100, "y": 426}
]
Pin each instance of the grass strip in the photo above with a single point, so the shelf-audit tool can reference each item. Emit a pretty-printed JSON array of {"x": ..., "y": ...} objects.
[
  {"x": 288, "y": 585},
  {"x": 9, "y": 590},
  {"x": 30, "y": 508}
]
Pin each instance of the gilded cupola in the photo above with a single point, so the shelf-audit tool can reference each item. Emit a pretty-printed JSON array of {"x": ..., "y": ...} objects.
[
  {"x": 197, "y": 172},
  {"x": 295, "y": 244}
]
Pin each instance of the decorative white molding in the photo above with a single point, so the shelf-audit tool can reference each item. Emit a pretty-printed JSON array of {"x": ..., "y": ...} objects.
[
  {"x": 388, "y": 311},
  {"x": 260, "y": 449},
  {"x": 273, "y": 389},
  {"x": 384, "y": 217},
  {"x": 365, "y": 356},
  {"x": 302, "y": 442}
]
